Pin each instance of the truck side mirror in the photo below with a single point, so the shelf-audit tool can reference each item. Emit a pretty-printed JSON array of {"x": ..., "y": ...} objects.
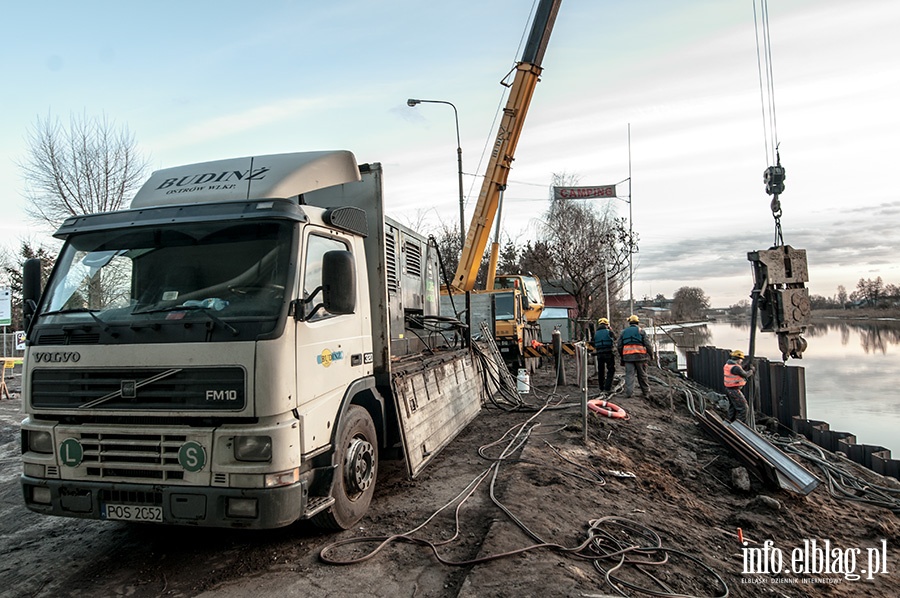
[
  {"x": 31, "y": 288},
  {"x": 339, "y": 282}
]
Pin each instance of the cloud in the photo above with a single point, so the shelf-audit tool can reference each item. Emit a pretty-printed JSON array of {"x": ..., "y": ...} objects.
[
  {"x": 226, "y": 125},
  {"x": 857, "y": 242}
]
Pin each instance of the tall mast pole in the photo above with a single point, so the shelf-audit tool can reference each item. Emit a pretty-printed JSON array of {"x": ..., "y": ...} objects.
[{"x": 630, "y": 232}]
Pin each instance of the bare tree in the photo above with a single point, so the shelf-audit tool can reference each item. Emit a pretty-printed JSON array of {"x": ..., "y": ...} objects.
[
  {"x": 842, "y": 296},
  {"x": 870, "y": 290},
  {"x": 415, "y": 219},
  {"x": 91, "y": 166},
  {"x": 689, "y": 303},
  {"x": 448, "y": 242},
  {"x": 580, "y": 243},
  {"x": 741, "y": 308}
]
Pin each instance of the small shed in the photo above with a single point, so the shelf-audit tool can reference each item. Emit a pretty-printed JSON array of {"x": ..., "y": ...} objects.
[{"x": 556, "y": 317}]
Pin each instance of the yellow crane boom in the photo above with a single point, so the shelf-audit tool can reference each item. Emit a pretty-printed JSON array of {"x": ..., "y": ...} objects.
[{"x": 528, "y": 72}]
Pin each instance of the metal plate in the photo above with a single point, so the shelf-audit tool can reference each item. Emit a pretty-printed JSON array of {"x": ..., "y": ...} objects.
[
  {"x": 435, "y": 400},
  {"x": 142, "y": 513}
]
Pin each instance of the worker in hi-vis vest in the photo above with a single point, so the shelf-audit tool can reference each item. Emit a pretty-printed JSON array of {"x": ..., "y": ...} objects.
[
  {"x": 735, "y": 378},
  {"x": 635, "y": 351},
  {"x": 604, "y": 341}
]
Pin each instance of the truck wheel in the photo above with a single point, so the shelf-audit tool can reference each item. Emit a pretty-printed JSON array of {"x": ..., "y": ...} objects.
[{"x": 354, "y": 479}]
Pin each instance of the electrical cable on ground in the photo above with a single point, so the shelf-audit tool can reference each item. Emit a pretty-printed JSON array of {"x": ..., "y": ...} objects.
[
  {"x": 696, "y": 396},
  {"x": 604, "y": 545},
  {"x": 842, "y": 484},
  {"x": 509, "y": 398}
]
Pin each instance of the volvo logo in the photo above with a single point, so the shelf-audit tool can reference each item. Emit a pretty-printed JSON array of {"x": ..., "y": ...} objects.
[
  {"x": 56, "y": 356},
  {"x": 129, "y": 389}
]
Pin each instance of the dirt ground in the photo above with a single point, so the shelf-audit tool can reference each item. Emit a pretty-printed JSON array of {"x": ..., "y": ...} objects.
[{"x": 534, "y": 482}]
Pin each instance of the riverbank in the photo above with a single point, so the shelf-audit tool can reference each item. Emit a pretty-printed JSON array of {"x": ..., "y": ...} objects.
[
  {"x": 850, "y": 369},
  {"x": 865, "y": 313}
]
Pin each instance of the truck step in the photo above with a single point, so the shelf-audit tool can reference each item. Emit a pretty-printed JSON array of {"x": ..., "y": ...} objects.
[{"x": 317, "y": 504}]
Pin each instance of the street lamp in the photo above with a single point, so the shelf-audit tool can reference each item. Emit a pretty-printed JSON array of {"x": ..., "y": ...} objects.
[
  {"x": 630, "y": 232},
  {"x": 462, "y": 214},
  {"x": 412, "y": 103},
  {"x": 606, "y": 270}
]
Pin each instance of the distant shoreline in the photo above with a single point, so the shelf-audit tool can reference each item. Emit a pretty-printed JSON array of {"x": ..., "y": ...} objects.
[{"x": 866, "y": 313}]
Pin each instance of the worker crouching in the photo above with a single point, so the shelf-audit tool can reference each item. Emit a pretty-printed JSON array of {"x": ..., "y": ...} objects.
[
  {"x": 635, "y": 351},
  {"x": 735, "y": 378}
]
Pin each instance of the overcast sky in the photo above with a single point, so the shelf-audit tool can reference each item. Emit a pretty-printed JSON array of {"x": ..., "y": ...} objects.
[{"x": 198, "y": 81}]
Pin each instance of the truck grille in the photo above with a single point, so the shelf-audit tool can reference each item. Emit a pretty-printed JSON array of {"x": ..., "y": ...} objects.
[
  {"x": 67, "y": 338},
  {"x": 131, "y": 497},
  {"x": 207, "y": 388},
  {"x": 143, "y": 456}
]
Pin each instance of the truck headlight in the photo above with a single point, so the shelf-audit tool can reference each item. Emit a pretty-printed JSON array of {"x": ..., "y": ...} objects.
[
  {"x": 253, "y": 448},
  {"x": 40, "y": 441}
]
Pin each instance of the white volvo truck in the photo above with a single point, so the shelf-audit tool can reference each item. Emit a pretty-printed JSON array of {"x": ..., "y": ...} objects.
[{"x": 236, "y": 350}]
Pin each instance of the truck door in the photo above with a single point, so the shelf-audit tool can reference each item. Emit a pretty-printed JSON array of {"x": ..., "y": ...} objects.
[{"x": 329, "y": 347}]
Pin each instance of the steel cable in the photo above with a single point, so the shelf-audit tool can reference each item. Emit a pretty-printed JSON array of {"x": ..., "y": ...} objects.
[
  {"x": 842, "y": 484},
  {"x": 599, "y": 545}
]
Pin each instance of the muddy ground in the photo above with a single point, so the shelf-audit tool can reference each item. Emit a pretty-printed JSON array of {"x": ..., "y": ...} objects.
[{"x": 681, "y": 497}]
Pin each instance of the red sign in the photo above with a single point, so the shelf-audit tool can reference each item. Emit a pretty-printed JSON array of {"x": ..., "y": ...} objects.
[{"x": 601, "y": 191}]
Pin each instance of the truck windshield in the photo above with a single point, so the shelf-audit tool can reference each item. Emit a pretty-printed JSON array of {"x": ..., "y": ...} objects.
[
  {"x": 533, "y": 289},
  {"x": 528, "y": 284},
  {"x": 504, "y": 306},
  {"x": 213, "y": 271}
]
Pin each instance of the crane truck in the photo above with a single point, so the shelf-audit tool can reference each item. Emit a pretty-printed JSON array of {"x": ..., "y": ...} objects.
[
  {"x": 517, "y": 299},
  {"x": 237, "y": 349}
]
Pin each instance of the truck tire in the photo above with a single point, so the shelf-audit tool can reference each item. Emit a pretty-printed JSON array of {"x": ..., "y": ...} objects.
[{"x": 357, "y": 468}]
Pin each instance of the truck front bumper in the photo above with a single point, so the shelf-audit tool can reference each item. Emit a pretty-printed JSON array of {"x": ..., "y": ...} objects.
[{"x": 181, "y": 505}]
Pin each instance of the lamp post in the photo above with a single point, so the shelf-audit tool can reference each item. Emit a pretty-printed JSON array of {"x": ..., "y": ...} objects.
[
  {"x": 630, "y": 232},
  {"x": 467, "y": 335},
  {"x": 462, "y": 213},
  {"x": 606, "y": 270}
]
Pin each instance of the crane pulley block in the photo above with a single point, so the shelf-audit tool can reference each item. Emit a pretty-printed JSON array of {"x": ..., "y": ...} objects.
[
  {"x": 779, "y": 277},
  {"x": 774, "y": 179}
]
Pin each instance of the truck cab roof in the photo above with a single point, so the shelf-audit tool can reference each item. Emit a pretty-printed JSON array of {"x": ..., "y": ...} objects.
[{"x": 252, "y": 177}]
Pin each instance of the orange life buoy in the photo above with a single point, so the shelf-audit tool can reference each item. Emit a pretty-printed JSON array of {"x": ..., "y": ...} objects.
[{"x": 606, "y": 408}]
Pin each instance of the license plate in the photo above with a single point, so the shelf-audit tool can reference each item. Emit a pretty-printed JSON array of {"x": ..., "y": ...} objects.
[{"x": 134, "y": 513}]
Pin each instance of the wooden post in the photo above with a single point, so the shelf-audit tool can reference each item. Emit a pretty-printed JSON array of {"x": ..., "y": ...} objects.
[
  {"x": 584, "y": 388},
  {"x": 557, "y": 358}
]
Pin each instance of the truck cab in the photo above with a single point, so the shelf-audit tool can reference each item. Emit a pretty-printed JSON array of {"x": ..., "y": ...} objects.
[{"x": 221, "y": 353}]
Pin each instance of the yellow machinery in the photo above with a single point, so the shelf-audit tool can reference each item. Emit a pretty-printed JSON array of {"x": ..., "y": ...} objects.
[{"x": 516, "y": 328}]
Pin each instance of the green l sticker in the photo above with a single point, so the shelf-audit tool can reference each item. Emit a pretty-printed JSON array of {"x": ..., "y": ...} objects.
[{"x": 71, "y": 452}]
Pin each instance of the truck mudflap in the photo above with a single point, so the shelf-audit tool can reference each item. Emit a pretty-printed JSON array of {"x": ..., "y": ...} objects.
[
  {"x": 436, "y": 397},
  {"x": 250, "y": 508}
]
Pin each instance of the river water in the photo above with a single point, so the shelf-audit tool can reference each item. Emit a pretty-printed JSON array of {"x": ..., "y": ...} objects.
[{"x": 852, "y": 371}]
